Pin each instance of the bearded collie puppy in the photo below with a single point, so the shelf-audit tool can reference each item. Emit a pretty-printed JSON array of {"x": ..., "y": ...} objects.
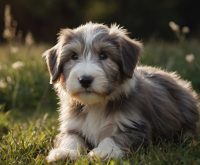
[{"x": 109, "y": 103}]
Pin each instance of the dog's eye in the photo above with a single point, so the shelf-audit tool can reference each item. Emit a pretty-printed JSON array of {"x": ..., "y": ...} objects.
[
  {"x": 103, "y": 56},
  {"x": 74, "y": 56}
]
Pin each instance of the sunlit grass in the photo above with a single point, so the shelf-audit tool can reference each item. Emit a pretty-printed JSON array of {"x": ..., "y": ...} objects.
[{"x": 24, "y": 79}]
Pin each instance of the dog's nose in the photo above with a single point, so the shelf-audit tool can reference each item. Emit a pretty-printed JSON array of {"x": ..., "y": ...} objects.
[{"x": 85, "y": 81}]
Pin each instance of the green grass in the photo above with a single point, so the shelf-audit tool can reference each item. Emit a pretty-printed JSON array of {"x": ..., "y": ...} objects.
[{"x": 28, "y": 117}]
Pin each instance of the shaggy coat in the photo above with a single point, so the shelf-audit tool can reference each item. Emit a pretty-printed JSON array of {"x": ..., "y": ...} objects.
[{"x": 109, "y": 103}]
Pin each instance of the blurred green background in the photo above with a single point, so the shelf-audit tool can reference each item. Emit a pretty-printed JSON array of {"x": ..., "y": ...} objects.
[{"x": 143, "y": 18}]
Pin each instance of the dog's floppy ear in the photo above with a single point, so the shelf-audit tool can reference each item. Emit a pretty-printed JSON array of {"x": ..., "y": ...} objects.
[
  {"x": 130, "y": 51},
  {"x": 51, "y": 57}
]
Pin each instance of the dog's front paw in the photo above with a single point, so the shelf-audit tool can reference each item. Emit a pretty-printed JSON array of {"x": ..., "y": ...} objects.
[
  {"x": 107, "y": 149},
  {"x": 61, "y": 153}
]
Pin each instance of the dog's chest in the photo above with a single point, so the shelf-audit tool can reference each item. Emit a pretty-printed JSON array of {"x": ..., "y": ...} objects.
[{"x": 97, "y": 125}]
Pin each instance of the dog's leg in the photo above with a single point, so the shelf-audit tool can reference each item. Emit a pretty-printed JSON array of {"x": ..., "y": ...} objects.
[
  {"x": 68, "y": 145},
  {"x": 135, "y": 134},
  {"x": 106, "y": 149}
]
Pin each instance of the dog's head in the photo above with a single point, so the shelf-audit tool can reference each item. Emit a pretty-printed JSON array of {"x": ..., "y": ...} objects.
[{"x": 92, "y": 60}]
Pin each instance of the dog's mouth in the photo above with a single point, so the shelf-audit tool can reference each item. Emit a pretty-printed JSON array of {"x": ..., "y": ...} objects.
[
  {"x": 90, "y": 92},
  {"x": 88, "y": 96}
]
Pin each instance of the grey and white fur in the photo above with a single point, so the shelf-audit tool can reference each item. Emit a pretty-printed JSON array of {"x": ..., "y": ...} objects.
[{"x": 109, "y": 102}]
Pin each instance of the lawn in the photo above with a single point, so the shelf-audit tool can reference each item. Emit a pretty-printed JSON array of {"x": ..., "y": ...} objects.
[{"x": 28, "y": 116}]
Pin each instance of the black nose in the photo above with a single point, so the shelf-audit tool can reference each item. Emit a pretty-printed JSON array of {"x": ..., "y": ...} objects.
[{"x": 85, "y": 81}]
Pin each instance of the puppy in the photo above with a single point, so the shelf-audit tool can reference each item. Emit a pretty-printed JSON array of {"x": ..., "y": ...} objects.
[{"x": 107, "y": 101}]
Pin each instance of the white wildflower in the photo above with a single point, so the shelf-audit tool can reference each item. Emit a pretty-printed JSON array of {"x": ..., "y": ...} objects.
[
  {"x": 8, "y": 78},
  {"x": 185, "y": 30},
  {"x": 175, "y": 27},
  {"x": 3, "y": 84},
  {"x": 10, "y": 24},
  {"x": 14, "y": 49},
  {"x": 7, "y": 34},
  {"x": 189, "y": 58},
  {"x": 17, "y": 65},
  {"x": 29, "y": 39}
]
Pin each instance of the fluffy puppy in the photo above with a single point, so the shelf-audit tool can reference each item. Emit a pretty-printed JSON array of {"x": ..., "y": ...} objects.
[{"x": 107, "y": 101}]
